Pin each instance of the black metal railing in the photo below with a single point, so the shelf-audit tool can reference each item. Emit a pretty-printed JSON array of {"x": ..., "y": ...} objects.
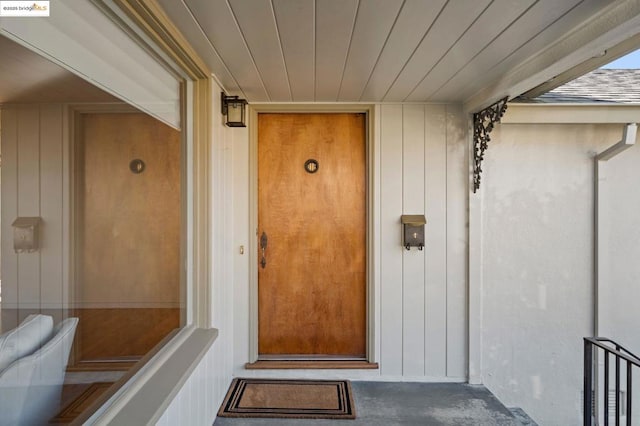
[{"x": 609, "y": 348}]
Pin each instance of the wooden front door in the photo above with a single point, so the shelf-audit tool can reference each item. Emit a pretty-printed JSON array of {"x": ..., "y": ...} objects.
[{"x": 312, "y": 220}]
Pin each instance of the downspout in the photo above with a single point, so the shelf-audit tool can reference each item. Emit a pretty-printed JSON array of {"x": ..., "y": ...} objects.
[{"x": 628, "y": 140}]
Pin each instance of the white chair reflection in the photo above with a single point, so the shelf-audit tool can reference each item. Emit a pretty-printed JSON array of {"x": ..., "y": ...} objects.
[{"x": 30, "y": 388}]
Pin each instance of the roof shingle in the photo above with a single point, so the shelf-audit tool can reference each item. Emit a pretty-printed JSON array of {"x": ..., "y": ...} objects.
[{"x": 599, "y": 86}]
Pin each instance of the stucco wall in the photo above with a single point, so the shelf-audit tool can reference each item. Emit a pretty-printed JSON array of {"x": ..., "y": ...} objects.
[
  {"x": 537, "y": 260},
  {"x": 619, "y": 294},
  {"x": 619, "y": 269}
]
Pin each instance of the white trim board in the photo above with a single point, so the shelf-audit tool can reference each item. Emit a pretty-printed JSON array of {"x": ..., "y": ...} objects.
[
  {"x": 159, "y": 381},
  {"x": 354, "y": 375},
  {"x": 591, "y": 113}
]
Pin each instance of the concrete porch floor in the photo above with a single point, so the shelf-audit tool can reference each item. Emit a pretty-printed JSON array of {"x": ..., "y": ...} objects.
[{"x": 383, "y": 403}]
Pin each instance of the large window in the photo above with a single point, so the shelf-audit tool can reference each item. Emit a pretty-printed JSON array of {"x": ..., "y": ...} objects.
[{"x": 96, "y": 185}]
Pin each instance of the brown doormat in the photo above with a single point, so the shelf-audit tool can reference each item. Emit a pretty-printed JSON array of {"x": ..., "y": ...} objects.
[
  {"x": 80, "y": 403},
  {"x": 297, "y": 399}
]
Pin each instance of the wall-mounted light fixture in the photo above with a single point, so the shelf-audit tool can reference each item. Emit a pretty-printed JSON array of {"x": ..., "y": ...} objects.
[{"x": 233, "y": 109}]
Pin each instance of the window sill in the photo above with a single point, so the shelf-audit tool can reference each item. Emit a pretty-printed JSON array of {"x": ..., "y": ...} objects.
[{"x": 149, "y": 391}]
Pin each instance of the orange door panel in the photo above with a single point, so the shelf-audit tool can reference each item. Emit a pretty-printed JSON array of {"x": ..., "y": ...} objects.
[{"x": 312, "y": 213}]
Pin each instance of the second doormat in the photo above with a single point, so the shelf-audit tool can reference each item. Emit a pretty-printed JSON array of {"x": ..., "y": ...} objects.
[{"x": 298, "y": 399}]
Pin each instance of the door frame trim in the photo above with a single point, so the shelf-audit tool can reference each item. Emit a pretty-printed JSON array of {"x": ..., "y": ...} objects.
[{"x": 371, "y": 172}]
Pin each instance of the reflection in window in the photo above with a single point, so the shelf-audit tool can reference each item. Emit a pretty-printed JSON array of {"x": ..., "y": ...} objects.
[{"x": 103, "y": 286}]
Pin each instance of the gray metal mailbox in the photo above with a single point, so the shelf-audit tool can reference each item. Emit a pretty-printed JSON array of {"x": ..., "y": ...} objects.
[{"x": 413, "y": 230}]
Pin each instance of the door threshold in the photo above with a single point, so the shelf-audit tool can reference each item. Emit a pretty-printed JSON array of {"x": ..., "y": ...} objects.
[{"x": 310, "y": 365}]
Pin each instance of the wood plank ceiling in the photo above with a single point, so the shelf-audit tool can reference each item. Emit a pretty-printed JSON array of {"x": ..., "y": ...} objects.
[{"x": 370, "y": 50}]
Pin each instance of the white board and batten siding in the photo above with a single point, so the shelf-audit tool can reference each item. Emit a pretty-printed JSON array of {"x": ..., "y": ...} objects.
[
  {"x": 198, "y": 400},
  {"x": 34, "y": 183},
  {"x": 419, "y": 307},
  {"x": 419, "y": 167},
  {"x": 423, "y": 312}
]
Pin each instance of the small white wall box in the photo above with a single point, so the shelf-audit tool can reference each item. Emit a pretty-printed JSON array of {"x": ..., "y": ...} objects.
[
  {"x": 413, "y": 230},
  {"x": 25, "y": 234}
]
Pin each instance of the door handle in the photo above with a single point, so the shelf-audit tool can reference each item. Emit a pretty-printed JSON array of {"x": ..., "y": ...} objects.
[{"x": 263, "y": 246}]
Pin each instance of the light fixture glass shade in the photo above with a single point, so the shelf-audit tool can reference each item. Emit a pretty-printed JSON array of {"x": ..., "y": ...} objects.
[
  {"x": 235, "y": 114},
  {"x": 233, "y": 109}
]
